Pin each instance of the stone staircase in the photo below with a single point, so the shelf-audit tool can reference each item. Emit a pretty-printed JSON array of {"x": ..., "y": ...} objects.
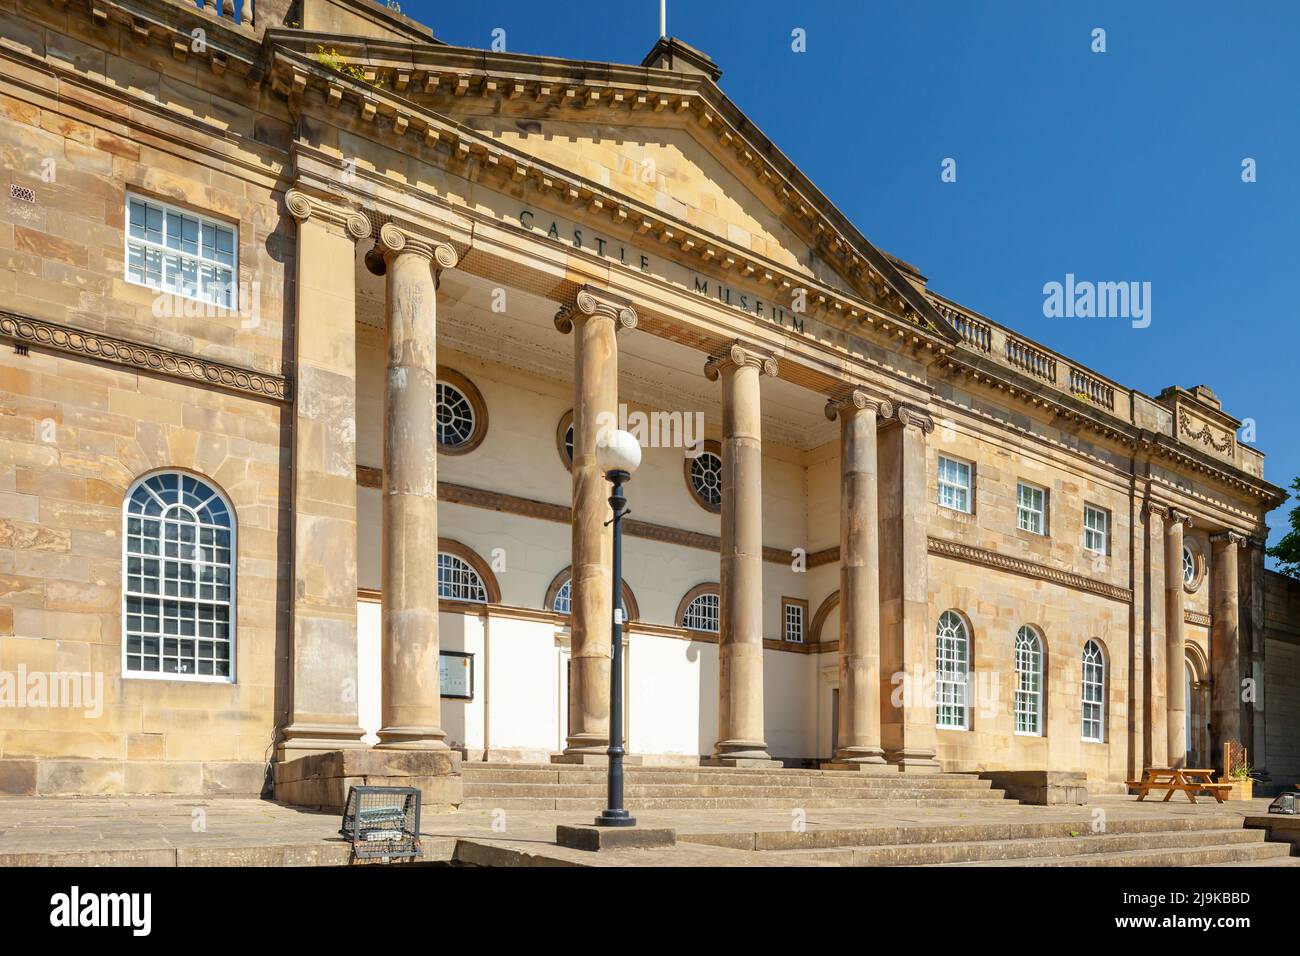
[
  {"x": 567, "y": 787},
  {"x": 1201, "y": 840}
]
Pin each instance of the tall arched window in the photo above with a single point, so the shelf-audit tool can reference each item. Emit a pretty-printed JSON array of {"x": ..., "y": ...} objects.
[
  {"x": 178, "y": 580},
  {"x": 952, "y": 664},
  {"x": 1094, "y": 692},
  {"x": 1029, "y": 682}
]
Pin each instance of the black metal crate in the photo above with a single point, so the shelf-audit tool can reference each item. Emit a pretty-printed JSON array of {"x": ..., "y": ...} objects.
[{"x": 382, "y": 822}]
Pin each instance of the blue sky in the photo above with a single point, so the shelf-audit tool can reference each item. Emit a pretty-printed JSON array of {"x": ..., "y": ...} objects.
[{"x": 1117, "y": 166}]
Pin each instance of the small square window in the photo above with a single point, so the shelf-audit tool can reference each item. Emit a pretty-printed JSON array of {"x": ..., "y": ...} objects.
[
  {"x": 954, "y": 484},
  {"x": 1031, "y": 508},
  {"x": 1096, "y": 529}
]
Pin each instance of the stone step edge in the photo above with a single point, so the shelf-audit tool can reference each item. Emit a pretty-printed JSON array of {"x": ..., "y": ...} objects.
[{"x": 1160, "y": 857}]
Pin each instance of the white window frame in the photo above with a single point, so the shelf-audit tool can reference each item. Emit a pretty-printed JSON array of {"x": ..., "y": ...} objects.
[
  {"x": 563, "y": 593},
  {"x": 1189, "y": 564},
  {"x": 696, "y": 489},
  {"x": 128, "y": 240},
  {"x": 952, "y": 693},
  {"x": 231, "y": 604},
  {"x": 1093, "y": 675},
  {"x": 1026, "y": 512},
  {"x": 799, "y": 620},
  {"x": 1029, "y": 701},
  {"x": 956, "y": 488},
  {"x": 462, "y": 398},
  {"x": 1103, "y": 531},
  {"x": 464, "y": 567},
  {"x": 686, "y": 614}
]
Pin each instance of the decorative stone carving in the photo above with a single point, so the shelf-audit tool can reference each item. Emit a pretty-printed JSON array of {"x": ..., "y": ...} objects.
[
  {"x": 1179, "y": 517},
  {"x": 858, "y": 400},
  {"x": 915, "y": 418},
  {"x": 302, "y": 207},
  {"x": 591, "y": 301},
  {"x": 739, "y": 355},
  {"x": 1230, "y": 537},
  {"x": 1204, "y": 434},
  {"x": 24, "y": 329}
]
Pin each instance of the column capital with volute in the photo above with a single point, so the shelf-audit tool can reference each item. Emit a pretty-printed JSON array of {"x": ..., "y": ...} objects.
[
  {"x": 911, "y": 417},
  {"x": 857, "y": 400},
  {"x": 304, "y": 206},
  {"x": 394, "y": 240},
  {"x": 598, "y": 303},
  {"x": 1175, "y": 516},
  {"x": 739, "y": 355},
  {"x": 1230, "y": 537}
]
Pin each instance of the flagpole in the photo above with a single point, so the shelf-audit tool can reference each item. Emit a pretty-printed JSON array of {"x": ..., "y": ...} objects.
[{"x": 663, "y": 18}]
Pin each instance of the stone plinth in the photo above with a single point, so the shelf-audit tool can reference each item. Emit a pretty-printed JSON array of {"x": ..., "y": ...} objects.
[
  {"x": 594, "y": 760},
  {"x": 323, "y": 779},
  {"x": 854, "y": 766},
  {"x": 614, "y": 838},
  {"x": 744, "y": 762},
  {"x": 1042, "y": 788}
]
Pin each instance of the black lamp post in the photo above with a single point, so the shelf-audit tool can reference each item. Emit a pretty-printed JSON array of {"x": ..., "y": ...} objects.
[{"x": 618, "y": 454}]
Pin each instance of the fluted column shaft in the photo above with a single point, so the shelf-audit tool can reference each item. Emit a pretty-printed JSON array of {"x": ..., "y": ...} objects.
[
  {"x": 1225, "y": 641},
  {"x": 740, "y": 645},
  {"x": 859, "y": 650},
  {"x": 594, "y": 319},
  {"x": 1175, "y": 656},
  {"x": 412, "y": 707}
]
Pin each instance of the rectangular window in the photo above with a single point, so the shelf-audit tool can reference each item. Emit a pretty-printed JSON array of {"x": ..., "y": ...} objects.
[
  {"x": 172, "y": 250},
  {"x": 1096, "y": 529},
  {"x": 954, "y": 484},
  {"x": 1031, "y": 508},
  {"x": 794, "y": 617}
]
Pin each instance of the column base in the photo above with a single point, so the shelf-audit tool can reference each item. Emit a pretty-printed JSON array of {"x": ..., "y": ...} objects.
[
  {"x": 740, "y": 753},
  {"x": 412, "y": 738},
  {"x": 614, "y": 838},
  {"x": 915, "y": 761},
  {"x": 305, "y": 739},
  {"x": 584, "y": 759},
  {"x": 322, "y": 780}
]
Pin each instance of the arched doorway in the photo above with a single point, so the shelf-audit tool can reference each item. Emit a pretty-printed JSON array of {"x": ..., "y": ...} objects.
[{"x": 1196, "y": 670}]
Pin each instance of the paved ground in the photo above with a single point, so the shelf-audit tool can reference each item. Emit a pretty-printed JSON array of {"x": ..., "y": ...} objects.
[{"x": 161, "y": 831}]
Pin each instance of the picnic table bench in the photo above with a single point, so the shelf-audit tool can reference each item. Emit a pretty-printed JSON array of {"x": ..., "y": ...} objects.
[{"x": 1171, "y": 779}]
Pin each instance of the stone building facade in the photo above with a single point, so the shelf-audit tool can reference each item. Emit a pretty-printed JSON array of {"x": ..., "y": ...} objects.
[{"x": 315, "y": 321}]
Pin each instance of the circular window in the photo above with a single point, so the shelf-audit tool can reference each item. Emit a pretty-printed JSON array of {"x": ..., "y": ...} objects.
[
  {"x": 704, "y": 476},
  {"x": 461, "y": 419},
  {"x": 1193, "y": 568},
  {"x": 564, "y": 439}
]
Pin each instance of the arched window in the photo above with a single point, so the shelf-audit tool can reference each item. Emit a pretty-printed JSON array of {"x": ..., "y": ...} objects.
[
  {"x": 701, "y": 609},
  {"x": 1094, "y": 692},
  {"x": 178, "y": 580},
  {"x": 1189, "y": 567},
  {"x": 458, "y": 580},
  {"x": 559, "y": 597},
  {"x": 952, "y": 663},
  {"x": 1029, "y": 682}
]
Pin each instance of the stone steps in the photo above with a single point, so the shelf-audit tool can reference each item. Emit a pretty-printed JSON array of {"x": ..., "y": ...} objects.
[
  {"x": 1029, "y": 851},
  {"x": 1245, "y": 854},
  {"x": 576, "y": 787}
]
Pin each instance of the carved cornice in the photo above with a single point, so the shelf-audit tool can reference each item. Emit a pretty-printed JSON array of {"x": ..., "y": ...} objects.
[
  {"x": 739, "y": 356},
  {"x": 1030, "y": 569},
  {"x": 591, "y": 302},
  {"x": 303, "y": 207},
  {"x": 856, "y": 401},
  {"x": 138, "y": 355}
]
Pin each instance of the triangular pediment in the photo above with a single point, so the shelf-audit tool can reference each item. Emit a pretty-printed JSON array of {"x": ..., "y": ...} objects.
[{"x": 666, "y": 150}]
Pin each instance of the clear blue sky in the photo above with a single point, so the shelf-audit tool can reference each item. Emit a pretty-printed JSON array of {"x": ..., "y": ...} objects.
[{"x": 1115, "y": 166}]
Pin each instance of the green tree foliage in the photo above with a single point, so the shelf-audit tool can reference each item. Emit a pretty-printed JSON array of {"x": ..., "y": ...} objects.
[{"x": 1287, "y": 551}]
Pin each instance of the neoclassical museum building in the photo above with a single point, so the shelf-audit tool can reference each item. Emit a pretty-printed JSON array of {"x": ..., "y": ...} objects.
[{"x": 310, "y": 324}]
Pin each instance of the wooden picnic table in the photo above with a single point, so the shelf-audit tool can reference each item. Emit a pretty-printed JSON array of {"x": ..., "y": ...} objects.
[{"x": 1189, "y": 780}]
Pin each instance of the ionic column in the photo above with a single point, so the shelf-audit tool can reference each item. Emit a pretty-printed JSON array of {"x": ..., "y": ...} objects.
[
  {"x": 859, "y": 697},
  {"x": 1175, "y": 656},
  {"x": 323, "y": 651},
  {"x": 412, "y": 706},
  {"x": 1225, "y": 640},
  {"x": 740, "y": 642},
  {"x": 908, "y": 733},
  {"x": 1155, "y": 704},
  {"x": 595, "y": 319}
]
